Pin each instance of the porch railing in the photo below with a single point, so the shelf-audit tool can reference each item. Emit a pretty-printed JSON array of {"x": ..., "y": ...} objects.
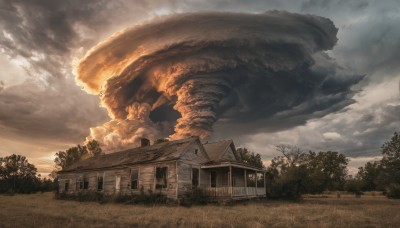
[{"x": 236, "y": 191}]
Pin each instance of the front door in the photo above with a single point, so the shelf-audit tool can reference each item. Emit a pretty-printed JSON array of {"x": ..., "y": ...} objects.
[{"x": 213, "y": 179}]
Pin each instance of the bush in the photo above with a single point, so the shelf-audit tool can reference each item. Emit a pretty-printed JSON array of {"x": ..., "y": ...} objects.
[
  {"x": 196, "y": 197},
  {"x": 354, "y": 186},
  {"x": 393, "y": 191}
]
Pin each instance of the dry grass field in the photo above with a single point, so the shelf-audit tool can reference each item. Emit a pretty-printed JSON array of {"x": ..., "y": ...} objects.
[{"x": 41, "y": 210}]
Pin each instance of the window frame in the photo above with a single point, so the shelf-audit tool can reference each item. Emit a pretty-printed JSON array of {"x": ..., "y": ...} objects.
[
  {"x": 213, "y": 181},
  {"x": 164, "y": 177},
  {"x": 137, "y": 179},
  {"x": 66, "y": 185},
  {"x": 198, "y": 177},
  {"x": 82, "y": 182},
  {"x": 100, "y": 175}
]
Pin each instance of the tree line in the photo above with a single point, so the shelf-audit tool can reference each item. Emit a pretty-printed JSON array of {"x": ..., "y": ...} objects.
[
  {"x": 17, "y": 175},
  {"x": 289, "y": 175}
]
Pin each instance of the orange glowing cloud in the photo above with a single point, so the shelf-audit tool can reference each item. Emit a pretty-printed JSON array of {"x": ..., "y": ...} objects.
[{"x": 190, "y": 70}]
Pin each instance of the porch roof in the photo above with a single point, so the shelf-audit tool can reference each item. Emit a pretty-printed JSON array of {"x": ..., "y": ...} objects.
[{"x": 220, "y": 164}]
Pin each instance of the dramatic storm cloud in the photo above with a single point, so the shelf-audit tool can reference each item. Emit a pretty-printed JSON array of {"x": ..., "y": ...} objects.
[{"x": 268, "y": 71}]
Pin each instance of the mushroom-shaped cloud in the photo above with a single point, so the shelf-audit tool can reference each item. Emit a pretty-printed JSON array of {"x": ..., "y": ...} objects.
[{"x": 192, "y": 70}]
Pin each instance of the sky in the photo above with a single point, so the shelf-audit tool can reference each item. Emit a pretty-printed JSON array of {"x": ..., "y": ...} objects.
[{"x": 322, "y": 75}]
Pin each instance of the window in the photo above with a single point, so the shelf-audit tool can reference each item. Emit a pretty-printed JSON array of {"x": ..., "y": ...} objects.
[
  {"x": 196, "y": 151},
  {"x": 161, "y": 177},
  {"x": 213, "y": 179},
  {"x": 260, "y": 180},
  {"x": 82, "y": 182},
  {"x": 134, "y": 178},
  {"x": 195, "y": 178},
  {"x": 251, "y": 179},
  {"x": 66, "y": 185},
  {"x": 100, "y": 181}
]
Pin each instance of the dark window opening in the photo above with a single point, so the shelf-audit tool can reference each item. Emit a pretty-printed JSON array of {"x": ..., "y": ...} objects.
[
  {"x": 100, "y": 181},
  {"x": 251, "y": 179},
  {"x": 66, "y": 185},
  {"x": 213, "y": 179},
  {"x": 134, "y": 178},
  {"x": 196, "y": 151},
  {"x": 161, "y": 177},
  {"x": 195, "y": 178},
  {"x": 82, "y": 182},
  {"x": 260, "y": 180}
]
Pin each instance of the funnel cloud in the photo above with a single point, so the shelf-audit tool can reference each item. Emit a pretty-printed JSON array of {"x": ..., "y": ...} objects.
[{"x": 180, "y": 75}]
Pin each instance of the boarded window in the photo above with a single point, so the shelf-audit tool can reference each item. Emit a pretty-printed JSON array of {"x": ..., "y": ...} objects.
[
  {"x": 213, "y": 179},
  {"x": 134, "y": 179},
  {"x": 100, "y": 181},
  {"x": 66, "y": 185},
  {"x": 195, "y": 178},
  {"x": 161, "y": 177}
]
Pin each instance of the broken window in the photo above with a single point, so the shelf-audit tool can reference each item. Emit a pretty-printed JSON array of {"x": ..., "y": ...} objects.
[
  {"x": 82, "y": 182},
  {"x": 100, "y": 181},
  {"x": 134, "y": 178},
  {"x": 195, "y": 178},
  {"x": 213, "y": 179},
  {"x": 161, "y": 177}
]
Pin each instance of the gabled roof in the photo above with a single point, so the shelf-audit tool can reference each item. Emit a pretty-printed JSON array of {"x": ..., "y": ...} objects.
[
  {"x": 216, "y": 150},
  {"x": 164, "y": 151}
]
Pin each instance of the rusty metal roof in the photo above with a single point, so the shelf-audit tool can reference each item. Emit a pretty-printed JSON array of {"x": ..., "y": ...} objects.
[{"x": 164, "y": 151}]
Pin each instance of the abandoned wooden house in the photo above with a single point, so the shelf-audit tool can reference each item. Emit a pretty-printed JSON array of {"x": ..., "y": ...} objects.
[{"x": 173, "y": 168}]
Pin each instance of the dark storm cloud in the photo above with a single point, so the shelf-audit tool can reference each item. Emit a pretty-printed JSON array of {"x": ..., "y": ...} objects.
[
  {"x": 30, "y": 110},
  {"x": 265, "y": 71},
  {"x": 41, "y": 35}
]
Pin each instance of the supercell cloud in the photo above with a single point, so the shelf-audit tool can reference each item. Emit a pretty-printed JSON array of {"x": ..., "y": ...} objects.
[{"x": 181, "y": 74}]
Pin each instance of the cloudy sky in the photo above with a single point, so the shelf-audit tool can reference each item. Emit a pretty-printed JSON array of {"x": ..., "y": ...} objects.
[{"x": 323, "y": 75}]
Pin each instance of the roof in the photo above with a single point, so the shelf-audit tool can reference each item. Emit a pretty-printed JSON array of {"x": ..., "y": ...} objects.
[
  {"x": 164, "y": 151},
  {"x": 215, "y": 150}
]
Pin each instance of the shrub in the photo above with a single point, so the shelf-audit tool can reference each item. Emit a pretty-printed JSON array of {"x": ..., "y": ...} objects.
[
  {"x": 354, "y": 186},
  {"x": 196, "y": 196},
  {"x": 393, "y": 191}
]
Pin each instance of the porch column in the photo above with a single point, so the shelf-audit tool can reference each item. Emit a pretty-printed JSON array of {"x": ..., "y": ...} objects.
[
  {"x": 245, "y": 180},
  {"x": 256, "y": 182},
  {"x": 230, "y": 180}
]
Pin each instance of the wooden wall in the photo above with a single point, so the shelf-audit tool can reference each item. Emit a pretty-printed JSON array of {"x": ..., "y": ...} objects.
[
  {"x": 188, "y": 161},
  {"x": 228, "y": 155},
  {"x": 146, "y": 179}
]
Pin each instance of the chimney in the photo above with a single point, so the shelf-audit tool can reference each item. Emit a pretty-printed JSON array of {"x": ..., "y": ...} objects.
[{"x": 144, "y": 142}]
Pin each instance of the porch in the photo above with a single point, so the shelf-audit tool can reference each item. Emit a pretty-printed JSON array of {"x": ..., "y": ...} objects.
[{"x": 230, "y": 180}]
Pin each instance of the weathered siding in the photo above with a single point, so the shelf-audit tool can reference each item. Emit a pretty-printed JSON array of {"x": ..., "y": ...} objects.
[
  {"x": 146, "y": 180},
  {"x": 228, "y": 155},
  {"x": 186, "y": 163}
]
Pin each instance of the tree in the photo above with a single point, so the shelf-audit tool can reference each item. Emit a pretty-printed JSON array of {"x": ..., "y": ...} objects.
[
  {"x": 329, "y": 169},
  {"x": 369, "y": 175},
  {"x": 17, "y": 175},
  {"x": 390, "y": 163},
  {"x": 94, "y": 148},
  {"x": 287, "y": 175},
  {"x": 66, "y": 158},
  {"x": 250, "y": 158}
]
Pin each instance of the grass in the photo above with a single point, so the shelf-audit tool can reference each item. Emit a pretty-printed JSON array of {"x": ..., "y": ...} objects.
[{"x": 41, "y": 210}]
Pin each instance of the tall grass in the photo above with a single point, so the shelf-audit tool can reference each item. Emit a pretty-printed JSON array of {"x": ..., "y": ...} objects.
[{"x": 41, "y": 210}]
